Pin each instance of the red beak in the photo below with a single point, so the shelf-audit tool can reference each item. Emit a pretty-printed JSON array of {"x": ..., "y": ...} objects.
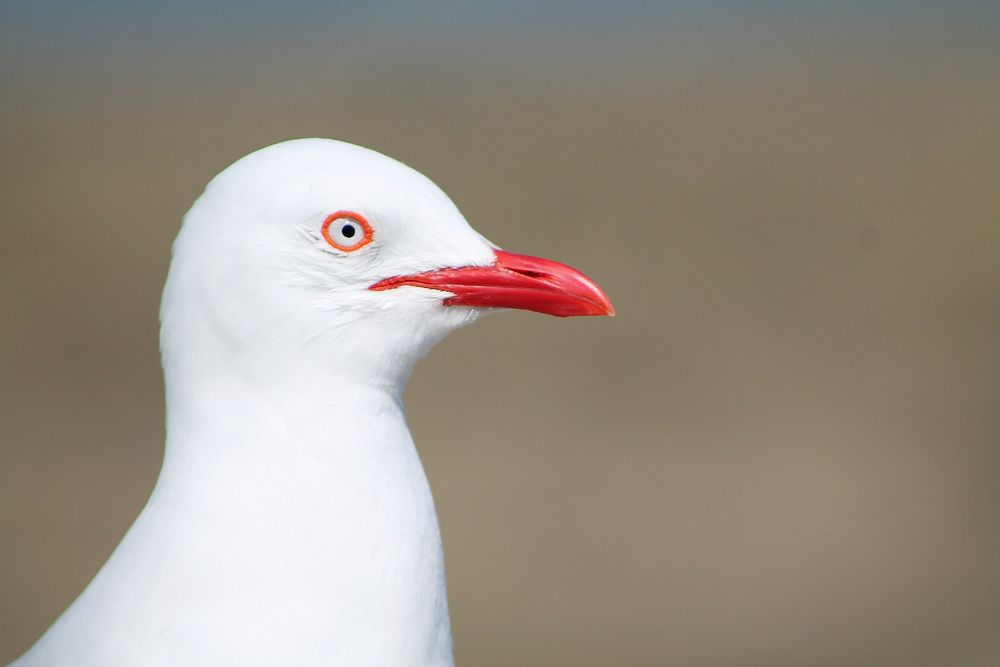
[{"x": 514, "y": 281}]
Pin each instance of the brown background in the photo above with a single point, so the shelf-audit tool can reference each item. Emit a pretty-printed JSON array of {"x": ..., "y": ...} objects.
[{"x": 783, "y": 452}]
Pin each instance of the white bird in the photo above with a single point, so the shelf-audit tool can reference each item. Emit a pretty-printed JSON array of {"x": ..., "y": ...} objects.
[{"x": 292, "y": 523}]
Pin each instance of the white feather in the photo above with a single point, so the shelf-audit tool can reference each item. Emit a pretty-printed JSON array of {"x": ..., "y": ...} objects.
[{"x": 292, "y": 523}]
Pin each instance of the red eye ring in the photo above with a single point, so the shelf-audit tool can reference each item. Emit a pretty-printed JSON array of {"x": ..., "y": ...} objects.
[{"x": 365, "y": 239}]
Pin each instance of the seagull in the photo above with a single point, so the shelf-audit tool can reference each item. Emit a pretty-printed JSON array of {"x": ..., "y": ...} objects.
[{"x": 292, "y": 523}]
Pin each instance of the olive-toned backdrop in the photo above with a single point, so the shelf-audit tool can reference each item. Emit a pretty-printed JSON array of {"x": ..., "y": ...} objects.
[{"x": 783, "y": 452}]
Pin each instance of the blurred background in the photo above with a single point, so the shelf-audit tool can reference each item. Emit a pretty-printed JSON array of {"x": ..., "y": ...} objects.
[{"x": 783, "y": 452}]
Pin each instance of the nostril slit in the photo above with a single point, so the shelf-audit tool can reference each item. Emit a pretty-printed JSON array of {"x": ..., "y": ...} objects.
[{"x": 530, "y": 274}]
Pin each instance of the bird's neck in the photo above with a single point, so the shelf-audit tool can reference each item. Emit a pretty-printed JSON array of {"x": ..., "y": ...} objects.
[
  {"x": 301, "y": 491},
  {"x": 281, "y": 413}
]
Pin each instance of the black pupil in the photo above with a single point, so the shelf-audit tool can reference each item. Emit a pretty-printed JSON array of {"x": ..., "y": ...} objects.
[{"x": 348, "y": 231}]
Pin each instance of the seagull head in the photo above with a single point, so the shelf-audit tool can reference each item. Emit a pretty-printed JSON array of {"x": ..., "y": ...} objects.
[{"x": 346, "y": 258}]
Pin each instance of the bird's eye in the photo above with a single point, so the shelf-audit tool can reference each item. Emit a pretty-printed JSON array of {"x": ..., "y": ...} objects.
[{"x": 347, "y": 231}]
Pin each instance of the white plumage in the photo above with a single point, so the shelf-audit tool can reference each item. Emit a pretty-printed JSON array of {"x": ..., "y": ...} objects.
[{"x": 292, "y": 523}]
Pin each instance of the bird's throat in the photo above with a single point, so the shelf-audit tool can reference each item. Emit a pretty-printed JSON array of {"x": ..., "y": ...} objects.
[{"x": 287, "y": 514}]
